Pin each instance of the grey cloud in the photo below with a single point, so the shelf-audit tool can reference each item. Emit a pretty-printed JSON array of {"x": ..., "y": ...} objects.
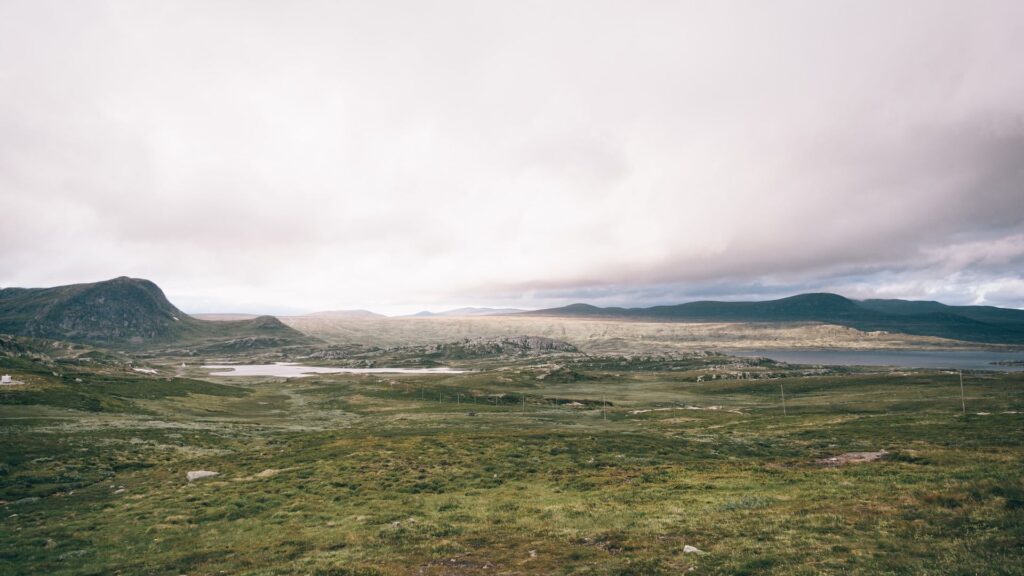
[{"x": 886, "y": 204}]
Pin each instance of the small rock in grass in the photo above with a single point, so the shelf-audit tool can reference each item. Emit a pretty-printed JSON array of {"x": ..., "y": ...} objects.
[
  {"x": 72, "y": 554},
  {"x": 692, "y": 550},
  {"x": 198, "y": 474}
]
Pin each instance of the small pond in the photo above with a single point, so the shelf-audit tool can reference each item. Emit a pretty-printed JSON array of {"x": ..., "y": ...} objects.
[{"x": 294, "y": 370}]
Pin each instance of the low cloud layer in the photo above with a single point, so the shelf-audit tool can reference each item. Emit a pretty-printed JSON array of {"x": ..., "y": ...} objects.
[{"x": 400, "y": 155}]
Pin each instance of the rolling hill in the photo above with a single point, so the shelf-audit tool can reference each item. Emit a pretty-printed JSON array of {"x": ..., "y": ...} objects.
[
  {"x": 126, "y": 312},
  {"x": 324, "y": 315},
  {"x": 984, "y": 324}
]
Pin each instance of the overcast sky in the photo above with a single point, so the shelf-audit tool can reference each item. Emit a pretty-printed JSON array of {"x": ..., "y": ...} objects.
[{"x": 297, "y": 156}]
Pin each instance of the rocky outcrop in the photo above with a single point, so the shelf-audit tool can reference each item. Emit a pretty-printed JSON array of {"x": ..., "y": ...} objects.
[{"x": 505, "y": 346}]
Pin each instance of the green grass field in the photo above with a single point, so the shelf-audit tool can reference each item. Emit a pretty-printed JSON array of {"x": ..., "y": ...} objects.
[{"x": 388, "y": 474}]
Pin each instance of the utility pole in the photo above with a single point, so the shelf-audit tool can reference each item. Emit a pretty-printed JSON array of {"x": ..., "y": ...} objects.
[
  {"x": 604, "y": 408},
  {"x": 783, "y": 390},
  {"x": 963, "y": 405},
  {"x": 458, "y": 399},
  {"x": 524, "y": 403}
]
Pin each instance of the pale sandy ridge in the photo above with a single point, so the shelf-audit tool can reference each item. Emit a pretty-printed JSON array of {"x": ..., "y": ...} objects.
[{"x": 607, "y": 336}]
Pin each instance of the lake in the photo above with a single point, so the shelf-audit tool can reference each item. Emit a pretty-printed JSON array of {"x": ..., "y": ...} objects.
[
  {"x": 947, "y": 359},
  {"x": 293, "y": 370}
]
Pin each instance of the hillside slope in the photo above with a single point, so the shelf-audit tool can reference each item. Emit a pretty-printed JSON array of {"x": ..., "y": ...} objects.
[
  {"x": 984, "y": 324},
  {"x": 126, "y": 312}
]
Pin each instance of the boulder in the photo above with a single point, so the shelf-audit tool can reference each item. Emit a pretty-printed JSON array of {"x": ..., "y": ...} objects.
[
  {"x": 687, "y": 549},
  {"x": 199, "y": 474}
]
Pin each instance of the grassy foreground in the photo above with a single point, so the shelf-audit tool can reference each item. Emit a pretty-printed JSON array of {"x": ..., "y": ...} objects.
[{"x": 364, "y": 475}]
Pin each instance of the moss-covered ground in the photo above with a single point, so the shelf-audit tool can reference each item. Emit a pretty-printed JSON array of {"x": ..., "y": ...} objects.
[{"x": 605, "y": 473}]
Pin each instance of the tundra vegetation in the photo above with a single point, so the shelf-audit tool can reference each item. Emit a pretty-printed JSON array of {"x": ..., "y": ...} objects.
[
  {"x": 586, "y": 445},
  {"x": 543, "y": 460}
]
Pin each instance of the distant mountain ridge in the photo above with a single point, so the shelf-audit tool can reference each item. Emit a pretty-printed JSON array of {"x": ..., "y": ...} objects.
[
  {"x": 325, "y": 315},
  {"x": 469, "y": 311},
  {"x": 131, "y": 312},
  {"x": 986, "y": 324},
  {"x": 224, "y": 316},
  {"x": 127, "y": 312},
  {"x": 344, "y": 315}
]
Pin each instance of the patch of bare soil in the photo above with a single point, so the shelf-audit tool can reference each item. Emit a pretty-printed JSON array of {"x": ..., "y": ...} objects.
[{"x": 852, "y": 458}]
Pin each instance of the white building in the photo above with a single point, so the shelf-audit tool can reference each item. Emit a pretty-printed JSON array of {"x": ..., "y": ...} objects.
[{"x": 5, "y": 379}]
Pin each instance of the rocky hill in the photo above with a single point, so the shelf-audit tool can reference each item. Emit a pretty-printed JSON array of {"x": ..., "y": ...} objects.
[{"x": 125, "y": 312}]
